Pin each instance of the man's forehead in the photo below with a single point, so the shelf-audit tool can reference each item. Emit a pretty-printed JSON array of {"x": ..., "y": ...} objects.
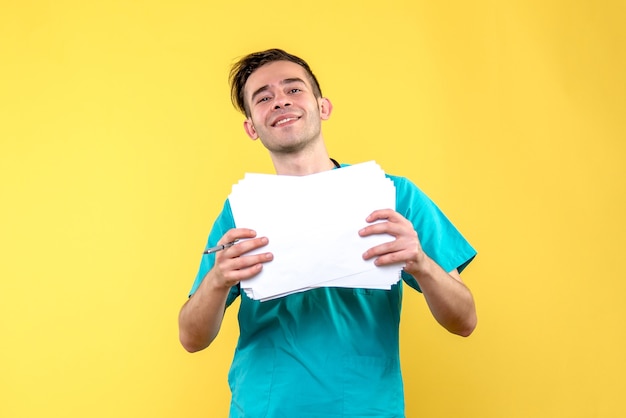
[{"x": 277, "y": 72}]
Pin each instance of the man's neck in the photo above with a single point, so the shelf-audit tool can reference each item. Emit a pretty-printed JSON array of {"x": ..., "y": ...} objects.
[{"x": 302, "y": 164}]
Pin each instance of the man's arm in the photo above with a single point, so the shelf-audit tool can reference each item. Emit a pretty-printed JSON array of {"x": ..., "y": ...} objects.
[
  {"x": 201, "y": 316},
  {"x": 449, "y": 300}
]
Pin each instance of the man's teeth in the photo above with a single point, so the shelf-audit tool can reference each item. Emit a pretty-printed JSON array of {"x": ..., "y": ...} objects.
[{"x": 280, "y": 122}]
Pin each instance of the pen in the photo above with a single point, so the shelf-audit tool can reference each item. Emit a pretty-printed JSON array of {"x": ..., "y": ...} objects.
[{"x": 219, "y": 247}]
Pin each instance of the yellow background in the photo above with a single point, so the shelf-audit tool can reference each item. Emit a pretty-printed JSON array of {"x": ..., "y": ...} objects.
[{"x": 119, "y": 145}]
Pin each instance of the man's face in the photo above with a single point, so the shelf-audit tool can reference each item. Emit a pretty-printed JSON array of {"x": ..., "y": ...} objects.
[{"x": 284, "y": 112}]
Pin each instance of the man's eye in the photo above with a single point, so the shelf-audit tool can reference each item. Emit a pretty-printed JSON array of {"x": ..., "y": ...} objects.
[
  {"x": 295, "y": 90},
  {"x": 263, "y": 99}
]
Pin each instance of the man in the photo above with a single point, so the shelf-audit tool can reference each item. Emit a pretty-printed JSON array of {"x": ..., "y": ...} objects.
[{"x": 327, "y": 352}]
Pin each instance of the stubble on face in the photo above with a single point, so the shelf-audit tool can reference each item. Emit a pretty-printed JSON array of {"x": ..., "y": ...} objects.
[
  {"x": 293, "y": 137},
  {"x": 291, "y": 140}
]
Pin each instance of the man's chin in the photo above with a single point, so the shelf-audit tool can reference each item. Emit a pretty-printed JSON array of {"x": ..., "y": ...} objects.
[{"x": 285, "y": 148}]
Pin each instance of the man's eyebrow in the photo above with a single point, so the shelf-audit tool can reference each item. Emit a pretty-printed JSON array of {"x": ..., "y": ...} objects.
[
  {"x": 259, "y": 91},
  {"x": 292, "y": 80},
  {"x": 282, "y": 82}
]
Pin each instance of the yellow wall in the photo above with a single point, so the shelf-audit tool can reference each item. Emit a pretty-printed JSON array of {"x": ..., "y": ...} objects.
[{"x": 119, "y": 144}]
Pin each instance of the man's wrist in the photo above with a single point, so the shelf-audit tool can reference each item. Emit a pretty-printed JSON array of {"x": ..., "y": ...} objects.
[{"x": 420, "y": 267}]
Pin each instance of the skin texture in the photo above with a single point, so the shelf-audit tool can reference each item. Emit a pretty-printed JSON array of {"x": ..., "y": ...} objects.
[{"x": 286, "y": 116}]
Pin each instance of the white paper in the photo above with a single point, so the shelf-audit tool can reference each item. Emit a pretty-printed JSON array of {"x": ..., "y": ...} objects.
[{"x": 312, "y": 223}]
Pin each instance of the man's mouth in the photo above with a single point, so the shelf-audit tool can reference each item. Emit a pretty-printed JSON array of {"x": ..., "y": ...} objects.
[{"x": 283, "y": 121}]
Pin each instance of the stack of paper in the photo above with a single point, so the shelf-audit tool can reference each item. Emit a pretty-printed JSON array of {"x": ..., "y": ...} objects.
[{"x": 312, "y": 223}]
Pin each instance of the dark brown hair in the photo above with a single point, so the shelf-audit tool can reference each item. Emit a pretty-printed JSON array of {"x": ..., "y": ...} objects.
[{"x": 242, "y": 69}]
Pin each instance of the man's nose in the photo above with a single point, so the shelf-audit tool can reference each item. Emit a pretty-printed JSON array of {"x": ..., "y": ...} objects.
[{"x": 281, "y": 100}]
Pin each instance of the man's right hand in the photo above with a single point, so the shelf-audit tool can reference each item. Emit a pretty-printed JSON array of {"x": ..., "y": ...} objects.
[
  {"x": 201, "y": 316},
  {"x": 232, "y": 265}
]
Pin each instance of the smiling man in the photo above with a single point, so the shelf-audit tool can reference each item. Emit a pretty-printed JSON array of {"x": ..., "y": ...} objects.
[
  {"x": 284, "y": 111},
  {"x": 326, "y": 352}
]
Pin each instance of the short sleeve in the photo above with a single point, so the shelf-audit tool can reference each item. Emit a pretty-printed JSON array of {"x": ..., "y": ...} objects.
[
  {"x": 222, "y": 224},
  {"x": 439, "y": 238}
]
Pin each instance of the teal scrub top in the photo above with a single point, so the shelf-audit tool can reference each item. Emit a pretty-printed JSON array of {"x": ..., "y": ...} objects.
[{"x": 330, "y": 352}]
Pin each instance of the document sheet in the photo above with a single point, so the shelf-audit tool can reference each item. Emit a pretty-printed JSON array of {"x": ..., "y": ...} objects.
[{"x": 312, "y": 224}]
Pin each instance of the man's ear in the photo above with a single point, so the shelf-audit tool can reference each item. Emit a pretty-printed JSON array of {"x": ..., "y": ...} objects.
[
  {"x": 326, "y": 107},
  {"x": 249, "y": 128}
]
